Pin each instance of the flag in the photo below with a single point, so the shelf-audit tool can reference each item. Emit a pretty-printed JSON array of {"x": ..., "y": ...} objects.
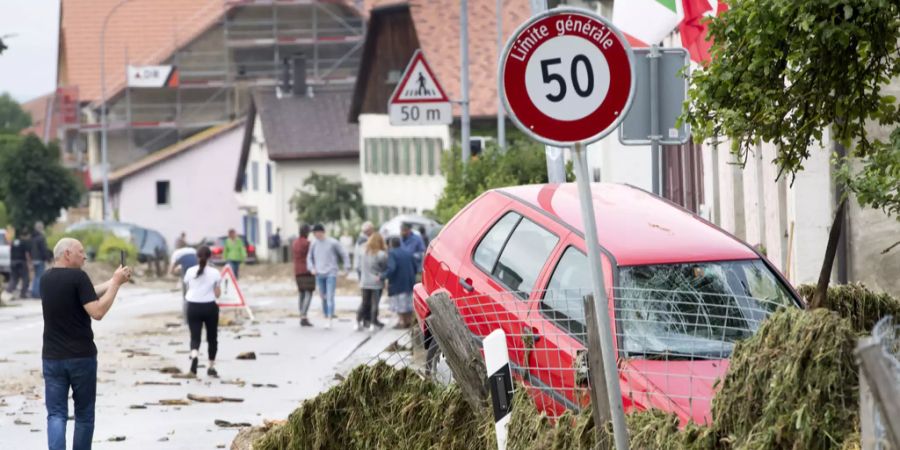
[
  {"x": 646, "y": 22},
  {"x": 693, "y": 29}
]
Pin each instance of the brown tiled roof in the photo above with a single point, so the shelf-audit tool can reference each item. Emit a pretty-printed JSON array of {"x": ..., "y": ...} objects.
[
  {"x": 147, "y": 28},
  {"x": 437, "y": 26},
  {"x": 169, "y": 152},
  {"x": 38, "y": 108},
  {"x": 307, "y": 127}
]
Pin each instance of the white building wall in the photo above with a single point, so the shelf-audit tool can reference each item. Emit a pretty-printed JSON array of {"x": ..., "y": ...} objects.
[
  {"x": 200, "y": 184},
  {"x": 255, "y": 200},
  {"x": 290, "y": 176},
  {"x": 412, "y": 192}
]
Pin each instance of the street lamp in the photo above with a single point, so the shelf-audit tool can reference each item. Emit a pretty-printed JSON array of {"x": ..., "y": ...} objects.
[{"x": 103, "y": 124}]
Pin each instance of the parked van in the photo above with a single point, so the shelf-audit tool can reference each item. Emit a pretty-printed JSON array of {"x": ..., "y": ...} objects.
[{"x": 680, "y": 291}]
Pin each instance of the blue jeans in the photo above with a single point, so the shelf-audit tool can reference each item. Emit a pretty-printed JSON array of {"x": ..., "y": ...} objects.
[
  {"x": 81, "y": 375},
  {"x": 235, "y": 265},
  {"x": 327, "y": 283},
  {"x": 36, "y": 284}
]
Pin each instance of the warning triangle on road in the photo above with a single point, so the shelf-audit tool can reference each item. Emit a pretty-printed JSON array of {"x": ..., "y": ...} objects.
[
  {"x": 418, "y": 83},
  {"x": 231, "y": 292}
]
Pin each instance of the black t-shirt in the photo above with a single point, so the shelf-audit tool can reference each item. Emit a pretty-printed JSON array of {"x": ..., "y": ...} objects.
[
  {"x": 67, "y": 326},
  {"x": 19, "y": 248}
]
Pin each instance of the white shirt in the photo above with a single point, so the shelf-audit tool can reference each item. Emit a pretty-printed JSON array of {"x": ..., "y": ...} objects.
[
  {"x": 201, "y": 289},
  {"x": 181, "y": 252}
]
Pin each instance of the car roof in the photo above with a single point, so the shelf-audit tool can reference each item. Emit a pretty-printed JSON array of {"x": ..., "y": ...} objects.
[{"x": 636, "y": 226}]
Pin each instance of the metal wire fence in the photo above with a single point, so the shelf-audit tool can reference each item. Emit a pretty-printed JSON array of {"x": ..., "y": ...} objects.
[
  {"x": 879, "y": 389},
  {"x": 671, "y": 345}
]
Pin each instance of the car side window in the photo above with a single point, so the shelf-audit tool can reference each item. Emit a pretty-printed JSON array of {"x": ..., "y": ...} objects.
[
  {"x": 489, "y": 248},
  {"x": 563, "y": 300},
  {"x": 523, "y": 256}
]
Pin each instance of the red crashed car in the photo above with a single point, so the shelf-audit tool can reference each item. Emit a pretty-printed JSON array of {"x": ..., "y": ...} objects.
[{"x": 680, "y": 292}]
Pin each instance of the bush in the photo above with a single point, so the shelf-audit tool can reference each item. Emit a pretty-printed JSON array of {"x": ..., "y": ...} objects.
[
  {"x": 523, "y": 162},
  {"x": 863, "y": 307},
  {"x": 93, "y": 240},
  {"x": 110, "y": 248}
]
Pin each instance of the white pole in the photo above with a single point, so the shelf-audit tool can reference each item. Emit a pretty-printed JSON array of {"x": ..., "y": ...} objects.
[
  {"x": 556, "y": 167},
  {"x": 611, "y": 373},
  {"x": 464, "y": 77},
  {"x": 103, "y": 121}
]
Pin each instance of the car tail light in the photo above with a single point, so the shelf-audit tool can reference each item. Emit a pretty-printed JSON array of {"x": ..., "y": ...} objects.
[
  {"x": 251, "y": 249},
  {"x": 216, "y": 250}
]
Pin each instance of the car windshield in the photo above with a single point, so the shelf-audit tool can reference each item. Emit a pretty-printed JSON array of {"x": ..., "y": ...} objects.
[{"x": 696, "y": 310}]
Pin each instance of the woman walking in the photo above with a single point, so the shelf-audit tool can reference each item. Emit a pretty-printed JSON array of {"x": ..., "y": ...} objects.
[
  {"x": 202, "y": 291},
  {"x": 372, "y": 263},
  {"x": 306, "y": 282}
]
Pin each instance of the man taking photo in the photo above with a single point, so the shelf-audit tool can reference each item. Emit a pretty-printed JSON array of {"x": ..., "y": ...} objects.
[{"x": 69, "y": 302}]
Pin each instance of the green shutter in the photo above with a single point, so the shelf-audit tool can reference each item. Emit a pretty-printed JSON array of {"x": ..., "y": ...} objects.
[
  {"x": 429, "y": 152},
  {"x": 417, "y": 143},
  {"x": 367, "y": 155},
  {"x": 385, "y": 157},
  {"x": 405, "y": 162},
  {"x": 438, "y": 152},
  {"x": 395, "y": 156}
]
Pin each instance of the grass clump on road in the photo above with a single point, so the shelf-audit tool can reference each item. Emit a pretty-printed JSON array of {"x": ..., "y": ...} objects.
[{"x": 382, "y": 407}]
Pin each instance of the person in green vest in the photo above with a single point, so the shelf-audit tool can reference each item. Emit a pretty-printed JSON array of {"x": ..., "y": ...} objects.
[{"x": 235, "y": 251}]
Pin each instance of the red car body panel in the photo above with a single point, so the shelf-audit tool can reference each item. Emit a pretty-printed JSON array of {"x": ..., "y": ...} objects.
[{"x": 634, "y": 228}]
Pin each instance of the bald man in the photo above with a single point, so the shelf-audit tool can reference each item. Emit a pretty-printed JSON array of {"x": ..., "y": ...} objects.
[{"x": 69, "y": 301}]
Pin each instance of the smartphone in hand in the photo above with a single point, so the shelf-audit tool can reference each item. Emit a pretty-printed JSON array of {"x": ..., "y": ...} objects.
[{"x": 122, "y": 258}]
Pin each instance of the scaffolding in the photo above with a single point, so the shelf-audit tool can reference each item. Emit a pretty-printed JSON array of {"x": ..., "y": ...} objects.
[{"x": 244, "y": 48}]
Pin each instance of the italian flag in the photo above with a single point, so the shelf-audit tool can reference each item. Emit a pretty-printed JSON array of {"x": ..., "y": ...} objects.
[{"x": 648, "y": 22}]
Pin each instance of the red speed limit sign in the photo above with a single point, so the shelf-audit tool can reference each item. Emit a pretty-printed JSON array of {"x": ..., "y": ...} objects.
[{"x": 566, "y": 76}]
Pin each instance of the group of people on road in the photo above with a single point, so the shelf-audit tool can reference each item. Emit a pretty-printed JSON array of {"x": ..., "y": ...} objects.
[
  {"x": 27, "y": 251},
  {"x": 393, "y": 264}
]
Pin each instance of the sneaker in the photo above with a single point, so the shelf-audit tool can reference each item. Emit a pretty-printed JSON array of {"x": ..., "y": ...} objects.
[
  {"x": 328, "y": 324},
  {"x": 212, "y": 372},
  {"x": 305, "y": 323},
  {"x": 358, "y": 326},
  {"x": 378, "y": 325},
  {"x": 372, "y": 328},
  {"x": 194, "y": 363}
]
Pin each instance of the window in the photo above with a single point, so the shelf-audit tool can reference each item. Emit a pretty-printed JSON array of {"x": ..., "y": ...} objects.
[
  {"x": 488, "y": 249},
  {"x": 269, "y": 178},
  {"x": 563, "y": 301},
  {"x": 404, "y": 163},
  {"x": 268, "y": 231},
  {"x": 417, "y": 144},
  {"x": 255, "y": 175},
  {"x": 162, "y": 193},
  {"x": 395, "y": 156},
  {"x": 696, "y": 310},
  {"x": 523, "y": 256},
  {"x": 244, "y": 187},
  {"x": 429, "y": 152},
  {"x": 385, "y": 151}
]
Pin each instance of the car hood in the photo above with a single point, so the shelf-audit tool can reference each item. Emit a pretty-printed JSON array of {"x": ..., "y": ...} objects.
[{"x": 684, "y": 388}]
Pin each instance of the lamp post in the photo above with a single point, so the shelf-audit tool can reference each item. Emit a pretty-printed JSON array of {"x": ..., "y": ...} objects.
[{"x": 103, "y": 122}]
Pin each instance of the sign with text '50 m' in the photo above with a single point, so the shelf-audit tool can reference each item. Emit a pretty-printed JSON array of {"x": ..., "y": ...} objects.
[{"x": 419, "y": 99}]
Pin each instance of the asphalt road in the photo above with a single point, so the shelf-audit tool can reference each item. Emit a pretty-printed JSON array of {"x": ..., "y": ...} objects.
[{"x": 142, "y": 334}]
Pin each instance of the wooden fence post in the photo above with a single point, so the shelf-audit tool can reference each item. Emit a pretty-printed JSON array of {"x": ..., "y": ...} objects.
[{"x": 597, "y": 379}]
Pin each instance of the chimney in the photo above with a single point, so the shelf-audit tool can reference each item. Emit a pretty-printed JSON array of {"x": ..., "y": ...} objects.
[{"x": 299, "y": 80}]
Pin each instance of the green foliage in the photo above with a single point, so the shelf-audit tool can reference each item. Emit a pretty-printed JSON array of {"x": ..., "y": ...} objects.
[
  {"x": 327, "y": 199},
  {"x": 34, "y": 184},
  {"x": 91, "y": 239},
  {"x": 523, "y": 162},
  {"x": 12, "y": 117},
  {"x": 111, "y": 246},
  {"x": 784, "y": 71},
  {"x": 863, "y": 307}
]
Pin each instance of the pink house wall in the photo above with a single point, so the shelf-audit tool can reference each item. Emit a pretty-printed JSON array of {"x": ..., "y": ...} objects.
[{"x": 201, "y": 191}]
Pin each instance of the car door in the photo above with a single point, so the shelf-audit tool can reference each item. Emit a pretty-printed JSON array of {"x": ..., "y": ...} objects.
[
  {"x": 498, "y": 281},
  {"x": 558, "y": 361}
]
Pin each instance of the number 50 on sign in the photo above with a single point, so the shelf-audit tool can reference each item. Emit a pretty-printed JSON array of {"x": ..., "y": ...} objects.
[{"x": 566, "y": 76}]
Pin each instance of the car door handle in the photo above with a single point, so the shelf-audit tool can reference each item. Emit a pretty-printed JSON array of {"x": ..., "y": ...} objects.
[{"x": 466, "y": 284}]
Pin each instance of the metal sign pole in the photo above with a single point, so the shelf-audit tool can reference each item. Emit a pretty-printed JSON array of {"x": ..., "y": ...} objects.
[
  {"x": 654, "y": 120},
  {"x": 611, "y": 374},
  {"x": 556, "y": 167},
  {"x": 501, "y": 113},
  {"x": 464, "y": 78}
]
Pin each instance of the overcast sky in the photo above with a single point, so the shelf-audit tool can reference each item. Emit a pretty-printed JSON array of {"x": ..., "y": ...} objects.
[{"x": 28, "y": 66}]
